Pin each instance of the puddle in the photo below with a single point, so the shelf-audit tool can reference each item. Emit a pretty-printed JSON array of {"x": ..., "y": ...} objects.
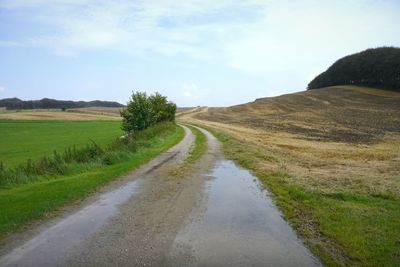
[
  {"x": 240, "y": 226},
  {"x": 47, "y": 248}
]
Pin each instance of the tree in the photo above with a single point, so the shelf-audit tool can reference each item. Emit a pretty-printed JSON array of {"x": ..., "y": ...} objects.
[
  {"x": 162, "y": 109},
  {"x": 137, "y": 114},
  {"x": 144, "y": 111},
  {"x": 379, "y": 67}
]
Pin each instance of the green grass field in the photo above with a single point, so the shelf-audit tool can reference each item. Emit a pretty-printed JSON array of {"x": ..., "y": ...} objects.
[
  {"x": 24, "y": 203},
  {"x": 23, "y": 140}
]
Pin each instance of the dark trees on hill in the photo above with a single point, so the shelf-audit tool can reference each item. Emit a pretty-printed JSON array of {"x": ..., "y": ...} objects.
[
  {"x": 379, "y": 67},
  {"x": 47, "y": 103}
]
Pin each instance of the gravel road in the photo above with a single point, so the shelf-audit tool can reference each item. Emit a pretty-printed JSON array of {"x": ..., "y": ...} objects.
[{"x": 214, "y": 215}]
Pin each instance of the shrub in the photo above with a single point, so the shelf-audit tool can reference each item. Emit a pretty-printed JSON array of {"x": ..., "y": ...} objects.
[{"x": 144, "y": 111}]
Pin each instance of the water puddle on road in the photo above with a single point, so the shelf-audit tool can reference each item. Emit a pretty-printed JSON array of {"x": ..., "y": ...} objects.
[
  {"x": 240, "y": 226},
  {"x": 47, "y": 248}
]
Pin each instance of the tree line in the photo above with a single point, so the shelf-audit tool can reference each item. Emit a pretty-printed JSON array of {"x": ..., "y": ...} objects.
[
  {"x": 379, "y": 67},
  {"x": 47, "y": 103}
]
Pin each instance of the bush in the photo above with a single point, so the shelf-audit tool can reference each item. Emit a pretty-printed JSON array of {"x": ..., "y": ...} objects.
[{"x": 144, "y": 111}]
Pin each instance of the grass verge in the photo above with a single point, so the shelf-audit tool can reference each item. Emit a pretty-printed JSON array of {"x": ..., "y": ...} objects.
[
  {"x": 25, "y": 203},
  {"x": 196, "y": 151},
  {"x": 199, "y": 146},
  {"x": 342, "y": 229}
]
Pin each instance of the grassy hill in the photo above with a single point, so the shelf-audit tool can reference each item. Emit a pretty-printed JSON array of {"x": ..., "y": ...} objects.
[{"x": 331, "y": 158}]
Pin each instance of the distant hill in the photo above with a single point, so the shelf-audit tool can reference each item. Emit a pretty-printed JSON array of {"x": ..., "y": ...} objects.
[
  {"x": 346, "y": 113},
  {"x": 379, "y": 67},
  {"x": 47, "y": 103}
]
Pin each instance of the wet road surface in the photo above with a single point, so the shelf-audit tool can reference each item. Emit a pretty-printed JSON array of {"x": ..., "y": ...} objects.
[
  {"x": 216, "y": 215},
  {"x": 240, "y": 226},
  {"x": 48, "y": 248}
]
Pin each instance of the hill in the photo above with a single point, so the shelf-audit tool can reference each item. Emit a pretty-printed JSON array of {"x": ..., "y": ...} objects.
[
  {"x": 347, "y": 114},
  {"x": 331, "y": 159},
  {"x": 379, "y": 67},
  {"x": 47, "y": 103}
]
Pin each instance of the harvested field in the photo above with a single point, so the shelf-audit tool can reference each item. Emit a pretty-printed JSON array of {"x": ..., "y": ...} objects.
[
  {"x": 345, "y": 114},
  {"x": 102, "y": 111},
  {"x": 186, "y": 110},
  {"x": 331, "y": 157},
  {"x": 183, "y": 109},
  {"x": 84, "y": 114},
  {"x": 345, "y": 138}
]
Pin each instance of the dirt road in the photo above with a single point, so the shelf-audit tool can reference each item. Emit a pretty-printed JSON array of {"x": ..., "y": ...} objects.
[{"x": 214, "y": 215}]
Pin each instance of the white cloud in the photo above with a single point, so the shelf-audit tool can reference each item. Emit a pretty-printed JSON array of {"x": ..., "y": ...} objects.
[
  {"x": 252, "y": 36},
  {"x": 169, "y": 28},
  {"x": 4, "y": 43},
  {"x": 269, "y": 47},
  {"x": 2, "y": 88},
  {"x": 192, "y": 91},
  {"x": 295, "y": 35}
]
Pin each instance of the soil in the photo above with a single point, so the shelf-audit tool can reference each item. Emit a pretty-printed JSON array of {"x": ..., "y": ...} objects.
[{"x": 341, "y": 114}]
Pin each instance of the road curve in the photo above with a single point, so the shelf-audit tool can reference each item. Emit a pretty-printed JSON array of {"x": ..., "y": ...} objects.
[
  {"x": 215, "y": 215},
  {"x": 107, "y": 214}
]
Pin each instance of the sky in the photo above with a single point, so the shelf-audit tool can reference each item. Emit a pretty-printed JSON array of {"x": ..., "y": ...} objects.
[{"x": 196, "y": 52}]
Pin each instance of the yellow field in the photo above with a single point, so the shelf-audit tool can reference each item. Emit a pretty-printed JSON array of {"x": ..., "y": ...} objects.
[
  {"x": 319, "y": 143},
  {"x": 84, "y": 114},
  {"x": 331, "y": 158}
]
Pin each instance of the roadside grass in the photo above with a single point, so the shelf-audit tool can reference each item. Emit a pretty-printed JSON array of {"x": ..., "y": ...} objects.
[
  {"x": 23, "y": 140},
  {"x": 199, "y": 147},
  {"x": 341, "y": 228},
  {"x": 25, "y": 203}
]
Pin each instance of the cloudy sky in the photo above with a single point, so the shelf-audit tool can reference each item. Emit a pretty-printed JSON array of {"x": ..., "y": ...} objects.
[{"x": 200, "y": 52}]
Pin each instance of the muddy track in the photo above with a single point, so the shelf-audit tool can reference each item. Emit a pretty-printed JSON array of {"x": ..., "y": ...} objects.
[{"x": 153, "y": 217}]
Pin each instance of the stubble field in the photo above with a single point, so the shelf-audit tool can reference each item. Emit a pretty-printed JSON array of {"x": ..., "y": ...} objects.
[
  {"x": 75, "y": 114},
  {"x": 332, "y": 159}
]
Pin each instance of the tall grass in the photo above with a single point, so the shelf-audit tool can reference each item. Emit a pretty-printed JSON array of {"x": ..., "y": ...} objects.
[
  {"x": 60, "y": 163},
  {"x": 23, "y": 203}
]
